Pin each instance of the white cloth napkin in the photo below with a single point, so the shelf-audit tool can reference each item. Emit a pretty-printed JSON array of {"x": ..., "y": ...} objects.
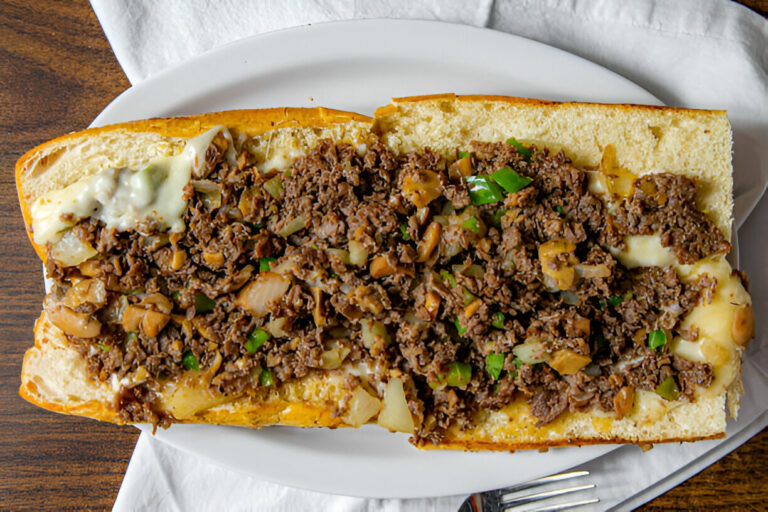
[{"x": 693, "y": 53}]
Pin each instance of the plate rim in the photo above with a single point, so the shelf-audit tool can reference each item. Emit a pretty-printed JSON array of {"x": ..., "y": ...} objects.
[{"x": 105, "y": 117}]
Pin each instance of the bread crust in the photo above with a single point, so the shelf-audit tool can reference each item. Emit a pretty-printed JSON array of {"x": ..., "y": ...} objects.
[
  {"x": 314, "y": 400},
  {"x": 250, "y": 122}
]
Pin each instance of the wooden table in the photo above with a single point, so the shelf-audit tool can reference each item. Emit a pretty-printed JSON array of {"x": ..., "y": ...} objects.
[{"x": 57, "y": 72}]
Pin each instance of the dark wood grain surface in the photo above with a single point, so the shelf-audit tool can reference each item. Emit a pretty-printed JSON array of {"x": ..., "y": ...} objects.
[{"x": 57, "y": 72}]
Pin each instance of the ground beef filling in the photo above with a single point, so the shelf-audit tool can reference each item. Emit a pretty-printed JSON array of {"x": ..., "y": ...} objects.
[{"x": 517, "y": 295}]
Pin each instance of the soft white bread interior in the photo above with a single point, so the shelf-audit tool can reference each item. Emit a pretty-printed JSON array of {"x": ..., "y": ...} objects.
[
  {"x": 646, "y": 139},
  {"x": 695, "y": 143}
]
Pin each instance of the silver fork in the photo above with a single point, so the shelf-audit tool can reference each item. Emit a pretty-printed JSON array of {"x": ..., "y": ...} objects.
[{"x": 516, "y": 496}]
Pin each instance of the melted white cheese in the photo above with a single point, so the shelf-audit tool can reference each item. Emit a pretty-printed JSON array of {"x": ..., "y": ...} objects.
[
  {"x": 644, "y": 251},
  {"x": 122, "y": 198},
  {"x": 713, "y": 320}
]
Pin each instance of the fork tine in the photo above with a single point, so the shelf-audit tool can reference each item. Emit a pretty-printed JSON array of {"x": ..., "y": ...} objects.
[
  {"x": 545, "y": 480},
  {"x": 522, "y": 500},
  {"x": 566, "y": 506}
]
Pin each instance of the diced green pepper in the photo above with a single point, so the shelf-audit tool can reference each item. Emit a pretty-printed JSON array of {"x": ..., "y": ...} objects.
[
  {"x": 615, "y": 300},
  {"x": 203, "y": 303},
  {"x": 131, "y": 336},
  {"x": 668, "y": 389},
  {"x": 657, "y": 338},
  {"x": 189, "y": 361},
  {"x": 176, "y": 295},
  {"x": 518, "y": 364},
  {"x": 494, "y": 363},
  {"x": 459, "y": 328},
  {"x": 447, "y": 276},
  {"x": 255, "y": 340},
  {"x": 498, "y": 320},
  {"x": 524, "y": 151},
  {"x": 264, "y": 264},
  {"x": 560, "y": 210},
  {"x": 483, "y": 191},
  {"x": 254, "y": 225},
  {"x": 267, "y": 378},
  {"x": 404, "y": 231},
  {"x": 469, "y": 297},
  {"x": 103, "y": 347},
  {"x": 510, "y": 180},
  {"x": 459, "y": 374},
  {"x": 463, "y": 154},
  {"x": 471, "y": 224},
  {"x": 497, "y": 216},
  {"x": 600, "y": 340}
]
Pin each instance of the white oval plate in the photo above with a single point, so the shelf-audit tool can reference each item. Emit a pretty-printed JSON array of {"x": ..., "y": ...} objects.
[{"x": 358, "y": 66}]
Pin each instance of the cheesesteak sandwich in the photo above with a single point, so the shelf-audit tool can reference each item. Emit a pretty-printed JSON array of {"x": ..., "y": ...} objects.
[{"x": 480, "y": 272}]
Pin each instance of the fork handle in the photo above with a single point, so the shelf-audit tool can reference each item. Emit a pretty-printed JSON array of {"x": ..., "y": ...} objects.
[{"x": 476, "y": 503}]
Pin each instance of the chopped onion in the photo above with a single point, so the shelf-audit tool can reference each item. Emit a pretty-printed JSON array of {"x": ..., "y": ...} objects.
[
  {"x": 210, "y": 192},
  {"x": 395, "y": 415},
  {"x": 373, "y": 331},
  {"x": 265, "y": 288},
  {"x": 276, "y": 327},
  {"x": 570, "y": 298},
  {"x": 358, "y": 254},
  {"x": 274, "y": 187},
  {"x": 532, "y": 351},
  {"x": 592, "y": 271},
  {"x": 332, "y": 358},
  {"x": 361, "y": 408},
  {"x": 294, "y": 225},
  {"x": 70, "y": 250},
  {"x": 341, "y": 254}
]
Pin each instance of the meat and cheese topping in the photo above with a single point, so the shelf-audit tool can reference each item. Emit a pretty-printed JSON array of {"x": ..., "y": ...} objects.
[{"x": 448, "y": 285}]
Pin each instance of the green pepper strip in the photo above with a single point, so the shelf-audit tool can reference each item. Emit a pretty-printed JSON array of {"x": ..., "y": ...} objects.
[
  {"x": 267, "y": 378},
  {"x": 483, "y": 191},
  {"x": 657, "y": 338},
  {"x": 189, "y": 361},
  {"x": 471, "y": 225},
  {"x": 203, "y": 303},
  {"x": 255, "y": 340},
  {"x": 615, "y": 300},
  {"x": 264, "y": 264},
  {"x": 469, "y": 297},
  {"x": 447, "y": 276},
  {"x": 498, "y": 320},
  {"x": 524, "y": 151},
  {"x": 668, "y": 389},
  {"x": 510, "y": 180},
  {"x": 459, "y": 374},
  {"x": 497, "y": 216},
  {"x": 494, "y": 363},
  {"x": 459, "y": 328}
]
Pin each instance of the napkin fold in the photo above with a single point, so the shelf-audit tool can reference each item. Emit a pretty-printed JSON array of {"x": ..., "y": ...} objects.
[{"x": 692, "y": 53}]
